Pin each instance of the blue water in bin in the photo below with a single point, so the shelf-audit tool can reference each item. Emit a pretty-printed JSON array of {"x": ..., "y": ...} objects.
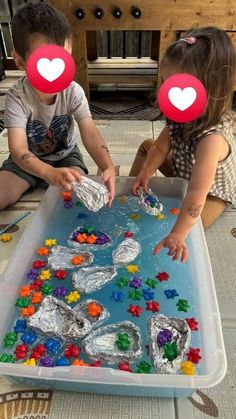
[{"x": 148, "y": 231}]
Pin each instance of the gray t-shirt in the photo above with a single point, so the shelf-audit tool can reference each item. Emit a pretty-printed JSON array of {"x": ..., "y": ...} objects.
[{"x": 51, "y": 129}]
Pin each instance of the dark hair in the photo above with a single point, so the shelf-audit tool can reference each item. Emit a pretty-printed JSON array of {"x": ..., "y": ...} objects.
[
  {"x": 38, "y": 17},
  {"x": 212, "y": 60}
]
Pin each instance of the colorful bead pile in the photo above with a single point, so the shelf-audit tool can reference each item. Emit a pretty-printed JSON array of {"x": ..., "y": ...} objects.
[{"x": 88, "y": 235}]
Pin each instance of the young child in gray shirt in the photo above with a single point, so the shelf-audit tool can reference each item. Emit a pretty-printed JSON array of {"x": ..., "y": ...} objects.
[{"x": 43, "y": 128}]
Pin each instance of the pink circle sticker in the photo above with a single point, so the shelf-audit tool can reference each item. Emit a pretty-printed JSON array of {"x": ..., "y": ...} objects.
[
  {"x": 182, "y": 98},
  {"x": 50, "y": 68}
]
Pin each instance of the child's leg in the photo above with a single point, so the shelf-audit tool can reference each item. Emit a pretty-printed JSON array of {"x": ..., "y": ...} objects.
[
  {"x": 11, "y": 188},
  {"x": 140, "y": 157},
  {"x": 213, "y": 208},
  {"x": 141, "y": 154}
]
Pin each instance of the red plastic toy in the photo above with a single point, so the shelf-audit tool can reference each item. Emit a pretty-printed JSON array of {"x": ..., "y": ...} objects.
[
  {"x": 162, "y": 276},
  {"x": 193, "y": 323},
  {"x": 135, "y": 310},
  {"x": 194, "y": 355},
  {"x": 153, "y": 306}
]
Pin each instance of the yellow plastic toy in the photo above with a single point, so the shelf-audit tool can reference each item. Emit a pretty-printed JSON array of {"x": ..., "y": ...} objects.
[
  {"x": 72, "y": 297},
  {"x": 132, "y": 269},
  {"x": 30, "y": 362},
  {"x": 188, "y": 368},
  {"x": 50, "y": 242},
  {"x": 45, "y": 275},
  {"x": 6, "y": 237}
]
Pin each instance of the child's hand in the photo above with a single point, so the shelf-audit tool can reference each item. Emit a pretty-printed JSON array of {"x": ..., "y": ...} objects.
[
  {"x": 176, "y": 246},
  {"x": 109, "y": 178},
  {"x": 62, "y": 177},
  {"x": 141, "y": 181}
]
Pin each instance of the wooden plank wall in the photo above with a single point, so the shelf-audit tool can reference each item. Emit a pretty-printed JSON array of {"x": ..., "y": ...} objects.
[
  {"x": 156, "y": 14},
  {"x": 164, "y": 17},
  {"x": 168, "y": 17}
]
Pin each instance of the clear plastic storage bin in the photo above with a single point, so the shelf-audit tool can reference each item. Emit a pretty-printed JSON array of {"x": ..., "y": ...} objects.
[{"x": 108, "y": 380}]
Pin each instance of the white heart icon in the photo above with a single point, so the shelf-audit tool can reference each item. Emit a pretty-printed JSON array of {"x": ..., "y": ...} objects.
[
  {"x": 182, "y": 99},
  {"x": 50, "y": 70}
]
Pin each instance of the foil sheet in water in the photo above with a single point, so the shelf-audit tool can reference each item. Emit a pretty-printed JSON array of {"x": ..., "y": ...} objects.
[
  {"x": 92, "y": 194},
  {"x": 55, "y": 318},
  {"x": 103, "y": 343},
  {"x": 149, "y": 202},
  {"x": 102, "y": 239},
  {"x": 177, "y": 331},
  {"x": 87, "y": 280},
  {"x": 126, "y": 252},
  {"x": 93, "y": 311},
  {"x": 60, "y": 257}
]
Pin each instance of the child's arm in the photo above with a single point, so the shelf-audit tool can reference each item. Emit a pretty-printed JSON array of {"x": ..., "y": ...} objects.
[
  {"x": 96, "y": 147},
  {"x": 155, "y": 157},
  {"x": 18, "y": 146},
  {"x": 210, "y": 151}
]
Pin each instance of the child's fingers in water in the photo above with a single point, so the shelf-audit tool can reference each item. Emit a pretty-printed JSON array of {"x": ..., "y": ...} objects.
[{"x": 185, "y": 255}]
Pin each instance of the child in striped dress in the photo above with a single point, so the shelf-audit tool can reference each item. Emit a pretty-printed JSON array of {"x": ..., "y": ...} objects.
[{"x": 204, "y": 151}]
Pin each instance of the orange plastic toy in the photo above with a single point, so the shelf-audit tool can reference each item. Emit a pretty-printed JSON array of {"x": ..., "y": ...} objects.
[
  {"x": 174, "y": 211},
  {"x": 81, "y": 238},
  {"x": 36, "y": 298},
  {"x": 94, "y": 309},
  {"x": 91, "y": 239},
  {"x": 43, "y": 251},
  {"x": 28, "y": 311},
  {"x": 79, "y": 363},
  {"x": 77, "y": 260},
  {"x": 25, "y": 291},
  {"x": 66, "y": 195}
]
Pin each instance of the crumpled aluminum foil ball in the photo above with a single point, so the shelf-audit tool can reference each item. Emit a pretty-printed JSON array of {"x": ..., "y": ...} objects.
[{"x": 92, "y": 194}]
